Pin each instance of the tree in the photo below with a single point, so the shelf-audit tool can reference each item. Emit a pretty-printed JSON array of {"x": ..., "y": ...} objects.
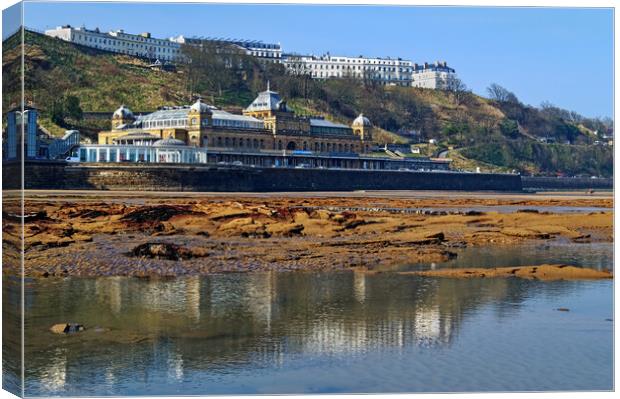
[
  {"x": 57, "y": 112},
  {"x": 72, "y": 108},
  {"x": 302, "y": 73},
  {"x": 457, "y": 89},
  {"x": 509, "y": 128},
  {"x": 215, "y": 66},
  {"x": 501, "y": 94}
]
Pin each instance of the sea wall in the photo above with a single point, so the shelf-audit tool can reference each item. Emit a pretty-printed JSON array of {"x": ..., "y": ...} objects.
[
  {"x": 57, "y": 175},
  {"x": 566, "y": 183}
]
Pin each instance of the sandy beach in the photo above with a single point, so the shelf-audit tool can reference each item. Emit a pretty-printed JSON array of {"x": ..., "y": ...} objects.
[{"x": 86, "y": 234}]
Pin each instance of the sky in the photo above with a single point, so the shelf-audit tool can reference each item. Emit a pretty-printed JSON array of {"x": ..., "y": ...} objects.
[{"x": 560, "y": 55}]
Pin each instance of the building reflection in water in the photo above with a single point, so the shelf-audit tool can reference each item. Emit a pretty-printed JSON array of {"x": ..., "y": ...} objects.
[
  {"x": 244, "y": 320},
  {"x": 55, "y": 374}
]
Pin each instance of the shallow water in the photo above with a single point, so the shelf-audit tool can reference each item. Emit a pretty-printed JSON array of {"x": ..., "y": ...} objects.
[
  {"x": 320, "y": 332},
  {"x": 594, "y": 255}
]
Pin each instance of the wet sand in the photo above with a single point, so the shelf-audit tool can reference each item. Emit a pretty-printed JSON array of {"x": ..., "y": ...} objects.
[
  {"x": 540, "y": 272},
  {"x": 140, "y": 234}
]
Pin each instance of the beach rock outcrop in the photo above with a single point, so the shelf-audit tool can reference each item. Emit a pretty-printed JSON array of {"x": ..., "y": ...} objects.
[
  {"x": 165, "y": 250},
  {"x": 66, "y": 328}
]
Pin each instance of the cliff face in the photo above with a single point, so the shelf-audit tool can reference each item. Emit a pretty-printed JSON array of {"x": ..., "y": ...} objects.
[{"x": 474, "y": 131}]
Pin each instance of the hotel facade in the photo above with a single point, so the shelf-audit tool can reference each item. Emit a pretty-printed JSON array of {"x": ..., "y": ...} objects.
[
  {"x": 385, "y": 71},
  {"x": 144, "y": 45}
]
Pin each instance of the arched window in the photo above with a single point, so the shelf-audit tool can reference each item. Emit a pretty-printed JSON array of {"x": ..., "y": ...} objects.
[
  {"x": 262, "y": 143},
  {"x": 241, "y": 142},
  {"x": 279, "y": 144},
  {"x": 340, "y": 147},
  {"x": 234, "y": 142},
  {"x": 305, "y": 146},
  {"x": 255, "y": 143},
  {"x": 219, "y": 141},
  {"x": 226, "y": 142}
]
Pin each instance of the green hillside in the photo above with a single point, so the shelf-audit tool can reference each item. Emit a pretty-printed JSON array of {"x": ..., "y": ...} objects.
[{"x": 500, "y": 134}]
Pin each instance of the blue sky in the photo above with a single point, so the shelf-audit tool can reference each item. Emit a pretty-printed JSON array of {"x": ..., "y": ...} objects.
[{"x": 561, "y": 55}]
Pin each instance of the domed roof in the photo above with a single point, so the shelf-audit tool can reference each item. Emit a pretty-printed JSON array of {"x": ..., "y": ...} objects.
[
  {"x": 168, "y": 142},
  {"x": 362, "y": 120},
  {"x": 268, "y": 100},
  {"x": 200, "y": 106},
  {"x": 123, "y": 112}
]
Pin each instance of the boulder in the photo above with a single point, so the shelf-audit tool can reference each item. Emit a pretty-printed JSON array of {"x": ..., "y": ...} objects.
[
  {"x": 165, "y": 250},
  {"x": 236, "y": 224},
  {"x": 285, "y": 229},
  {"x": 322, "y": 214},
  {"x": 66, "y": 328}
]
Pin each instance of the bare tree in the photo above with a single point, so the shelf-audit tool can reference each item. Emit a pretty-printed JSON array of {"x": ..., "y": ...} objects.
[
  {"x": 213, "y": 65},
  {"x": 457, "y": 89},
  {"x": 501, "y": 94},
  {"x": 300, "y": 69}
]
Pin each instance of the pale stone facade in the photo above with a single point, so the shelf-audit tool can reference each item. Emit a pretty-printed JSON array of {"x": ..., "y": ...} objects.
[
  {"x": 385, "y": 71},
  {"x": 143, "y": 45},
  {"x": 266, "y": 125}
]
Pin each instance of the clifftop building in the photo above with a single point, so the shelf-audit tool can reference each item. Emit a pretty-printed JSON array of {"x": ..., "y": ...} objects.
[
  {"x": 386, "y": 71},
  {"x": 263, "y": 51},
  {"x": 143, "y": 45}
]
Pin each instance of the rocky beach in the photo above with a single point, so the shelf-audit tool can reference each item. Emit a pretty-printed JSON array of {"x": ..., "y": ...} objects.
[{"x": 129, "y": 235}]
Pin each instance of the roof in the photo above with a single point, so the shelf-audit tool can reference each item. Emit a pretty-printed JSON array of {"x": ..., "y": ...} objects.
[
  {"x": 201, "y": 106},
  {"x": 168, "y": 142},
  {"x": 325, "y": 123},
  {"x": 123, "y": 112},
  {"x": 267, "y": 101},
  {"x": 165, "y": 114},
  {"x": 137, "y": 135},
  {"x": 223, "y": 115},
  {"x": 362, "y": 120},
  {"x": 181, "y": 112}
]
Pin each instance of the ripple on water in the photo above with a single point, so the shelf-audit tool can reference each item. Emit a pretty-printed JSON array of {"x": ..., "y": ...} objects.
[{"x": 318, "y": 332}]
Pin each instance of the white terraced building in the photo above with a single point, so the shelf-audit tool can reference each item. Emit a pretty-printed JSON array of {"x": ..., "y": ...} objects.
[
  {"x": 264, "y": 51},
  {"x": 387, "y": 71},
  {"x": 143, "y": 45}
]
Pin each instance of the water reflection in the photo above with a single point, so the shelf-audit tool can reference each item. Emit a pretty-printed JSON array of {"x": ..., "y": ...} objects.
[
  {"x": 177, "y": 336},
  {"x": 595, "y": 255}
]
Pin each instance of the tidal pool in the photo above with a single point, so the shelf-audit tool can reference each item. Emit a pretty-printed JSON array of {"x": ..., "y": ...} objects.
[{"x": 297, "y": 332}]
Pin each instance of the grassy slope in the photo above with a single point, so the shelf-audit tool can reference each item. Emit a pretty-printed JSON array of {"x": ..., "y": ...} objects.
[{"x": 102, "y": 81}]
